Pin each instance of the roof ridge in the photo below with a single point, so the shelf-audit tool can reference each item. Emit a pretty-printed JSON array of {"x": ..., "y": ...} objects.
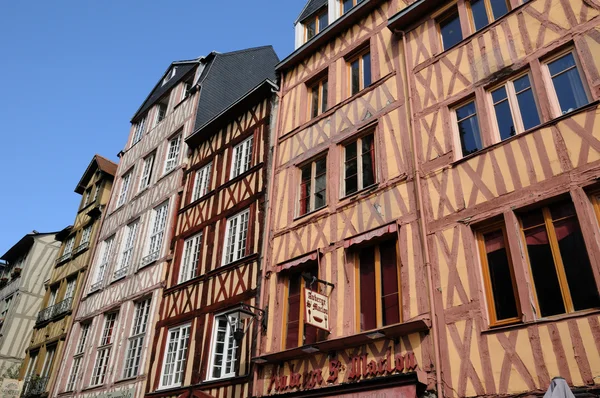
[{"x": 244, "y": 50}]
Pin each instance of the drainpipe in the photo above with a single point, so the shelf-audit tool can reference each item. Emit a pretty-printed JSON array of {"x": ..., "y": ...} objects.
[
  {"x": 425, "y": 245},
  {"x": 267, "y": 233}
]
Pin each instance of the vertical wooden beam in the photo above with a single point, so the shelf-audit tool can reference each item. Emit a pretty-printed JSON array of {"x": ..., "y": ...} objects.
[{"x": 589, "y": 228}]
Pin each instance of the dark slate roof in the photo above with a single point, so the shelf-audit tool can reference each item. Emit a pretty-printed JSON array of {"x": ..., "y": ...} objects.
[
  {"x": 98, "y": 162},
  {"x": 183, "y": 68},
  {"x": 310, "y": 8},
  {"x": 228, "y": 77}
]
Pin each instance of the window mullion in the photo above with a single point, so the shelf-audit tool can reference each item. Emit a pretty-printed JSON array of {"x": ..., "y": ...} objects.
[
  {"x": 378, "y": 298},
  {"x": 359, "y": 163},
  {"x": 558, "y": 264},
  {"x": 515, "y": 110}
]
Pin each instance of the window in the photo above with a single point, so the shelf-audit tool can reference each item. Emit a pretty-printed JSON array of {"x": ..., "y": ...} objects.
[
  {"x": 170, "y": 74},
  {"x": 313, "y": 185},
  {"x": 560, "y": 267},
  {"x": 498, "y": 274},
  {"x": 172, "y": 154},
  {"x": 48, "y": 361},
  {"x": 316, "y": 23},
  {"x": 78, "y": 357},
  {"x": 33, "y": 356},
  {"x": 175, "y": 356},
  {"x": 6, "y": 306},
  {"x": 483, "y": 12},
  {"x": 184, "y": 90},
  {"x": 161, "y": 109},
  {"x": 103, "y": 351},
  {"x": 86, "y": 235},
  {"x": 139, "y": 131},
  {"x": 569, "y": 90},
  {"x": 70, "y": 290},
  {"x": 86, "y": 197},
  {"x": 124, "y": 188},
  {"x": 201, "y": 182},
  {"x": 52, "y": 297},
  {"x": 159, "y": 222},
  {"x": 449, "y": 26},
  {"x": 127, "y": 253},
  {"x": 297, "y": 332},
  {"x": 96, "y": 191},
  {"x": 69, "y": 247},
  {"x": 147, "y": 172},
  {"x": 104, "y": 258},
  {"x": 189, "y": 262},
  {"x": 135, "y": 344},
  {"x": 348, "y": 4},
  {"x": 242, "y": 157},
  {"x": 235, "y": 237},
  {"x": 318, "y": 95},
  {"x": 468, "y": 128},
  {"x": 223, "y": 348},
  {"x": 359, "y": 164},
  {"x": 379, "y": 286},
  {"x": 515, "y": 107},
  {"x": 360, "y": 72}
]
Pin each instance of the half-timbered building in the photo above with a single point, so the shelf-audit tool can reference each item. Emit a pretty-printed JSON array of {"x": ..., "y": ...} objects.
[
  {"x": 67, "y": 276},
  {"x": 218, "y": 236},
  {"x": 106, "y": 349},
  {"x": 343, "y": 220},
  {"x": 506, "y": 122},
  {"x": 27, "y": 265}
]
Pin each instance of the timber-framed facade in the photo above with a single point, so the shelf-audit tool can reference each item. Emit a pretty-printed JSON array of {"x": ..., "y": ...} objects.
[
  {"x": 63, "y": 288},
  {"x": 218, "y": 238}
]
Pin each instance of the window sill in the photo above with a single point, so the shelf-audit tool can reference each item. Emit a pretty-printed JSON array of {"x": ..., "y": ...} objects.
[
  {"x": 541, "y": 321},
  {"x": 361, "y": 192},
  {"x": 524, "y": 133},
  {"x": 316, "y": 213}
]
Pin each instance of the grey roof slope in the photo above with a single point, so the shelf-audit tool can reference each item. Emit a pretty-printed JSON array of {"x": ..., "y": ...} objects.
[
  {"x": 229, "y": 76},
  {"x": 310, "y": 8},
  {"x": 183, "y": 68}
]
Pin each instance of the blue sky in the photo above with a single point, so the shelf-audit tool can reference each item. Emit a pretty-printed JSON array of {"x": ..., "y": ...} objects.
[{"x": 74, "y": 72}]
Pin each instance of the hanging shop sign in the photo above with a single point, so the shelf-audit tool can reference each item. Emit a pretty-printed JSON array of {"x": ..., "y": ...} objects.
[{"x": 316, "y": 309}]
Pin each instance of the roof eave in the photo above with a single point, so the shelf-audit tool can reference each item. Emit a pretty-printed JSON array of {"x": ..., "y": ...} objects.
[{"x": 330, "y": 32}]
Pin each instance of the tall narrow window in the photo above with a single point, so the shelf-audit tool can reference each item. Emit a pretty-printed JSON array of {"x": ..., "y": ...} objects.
[
  {"x": 316, "y": 23},
  {"x": 139, "y": 131},
  {"x": 236, "y": 235},
  {"x": 159, "y": 223},
  {"x": 161, "y": 112},
  {"x": 103, "y": 351},
  {"x": 104, "y": 259},
  {"x": 125, "y": 181},
  {"x": 127, "y": 250},
  {"x": 172, "y": 153},
  {"x": 560, "y": 267},
  {"x": 185, "y": 88},
  {"x": 379, "y": 286},
  {"x": 136, "y": 340},
  {"x": 568, "y": 86},
  {"x": 297, "y": 332},
  {"x": 68, "y": 248},
  {"x": 242, "y": 157},
  {"x": 360, "y": 72},
  {"x": 223, "y": 348},
  {"x": 96, "y": 191},
  {"x": 501, "y": 290},
  {"x": 70, "y": 290},
  {"x": 85, "y": 238},
  {"x": 485, "y": 11},
  {"x": 515, "y": 107},
  {"x": 53, "y": 295},
  {"x": 359, "y": 164},
  {"x": 86, "y": 197},
  {"x": 201, "y": 182},
  {"x": 313, "y": 185},
  {"x": 318, "y": 95},
  {"x": 175, "y": 355},
  {"x": 78, "y": 357},
  {"x": 147, "y": 171},
  {"x": 6, "y": 306},
  {"x": 468, "y": 128},
  {"x": 189, "y": 262},
  {"x": 48, "y": 363},
  {"x": 450, "y": 30}
]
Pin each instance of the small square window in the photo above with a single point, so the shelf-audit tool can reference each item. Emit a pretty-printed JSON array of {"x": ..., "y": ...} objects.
[
  {"x": 318, "y": 98},
  {"x": 468, "y": 128},
  {"x": 450, "y": 30},
  {"x": 569, "y": 90},
  {"x": 360, "y": 72}
]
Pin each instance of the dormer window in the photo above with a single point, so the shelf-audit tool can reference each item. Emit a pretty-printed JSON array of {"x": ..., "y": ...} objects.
[
  {"x": 316, "y": 23},
  {"x": 169, "y": 75},
  {"x": 161, "y": 109}
]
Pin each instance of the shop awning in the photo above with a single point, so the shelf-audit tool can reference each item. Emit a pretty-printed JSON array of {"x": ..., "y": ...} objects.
[
  {"x": 313, "y": 256},
  {"x": 367, "y": 236}
]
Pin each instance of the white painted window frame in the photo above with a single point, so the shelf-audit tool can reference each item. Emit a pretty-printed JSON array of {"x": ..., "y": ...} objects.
[
  {"x": 241, "y": 158},
  {"x": 236, "y": 237},
  {"x": 173, "y": 366},
  {"x": 135, "y": 343},
  {"x": 172, "y": 157},
  {"x": 189, "y": 259},
  {"x": 229, "y": 348},
  {"x": 202, "y": 182}
]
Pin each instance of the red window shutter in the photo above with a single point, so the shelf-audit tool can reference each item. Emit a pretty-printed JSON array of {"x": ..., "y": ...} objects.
[{"x": 368, "y": 308}]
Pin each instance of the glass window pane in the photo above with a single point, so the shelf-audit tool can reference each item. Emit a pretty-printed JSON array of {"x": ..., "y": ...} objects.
[
  {"x": 569, "y": 90},
  {"x": 324, "y": 96},
  {"x": 544, "y": 272},
  {"x": 321, "y": 166},
  {"x": 465, "y": 111},
  {"x": 578, "y": 270},
  {"x": 320, "y": 191},
  {"x": 561, "y": 64},
  {"x": 368, "y": 165},
  {"x": 468, "y": 129},
  {"x": 323, "y": 21},
  {"x": 499, "y": 8},
  {"x": 480, "y": 18},
  {"x": 450, "y": 30},
  {"x": 389, "y": 283},
  {"x": 368, "y": 309},
  {"x": 348, "y": 4},
  {"x": 366, "y": 70},
  {"x": 529, "y": 112},
  {"x": 311, "y": 29},
  {"x": 355, "y": 77},
  {"x": 315, "y": 102},
  {"x": 500, "y": 275},
  {"x": 499, "y": 94},
  {"x": 506, "y": 126}
]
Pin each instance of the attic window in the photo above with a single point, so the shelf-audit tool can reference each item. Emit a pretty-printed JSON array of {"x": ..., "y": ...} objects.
[
  {"x": 169, "y": 75},
  {"x": 316, "y": 23}
]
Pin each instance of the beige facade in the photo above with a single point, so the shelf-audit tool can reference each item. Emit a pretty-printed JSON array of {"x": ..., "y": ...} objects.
[{"x": 66, "y": 278}]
